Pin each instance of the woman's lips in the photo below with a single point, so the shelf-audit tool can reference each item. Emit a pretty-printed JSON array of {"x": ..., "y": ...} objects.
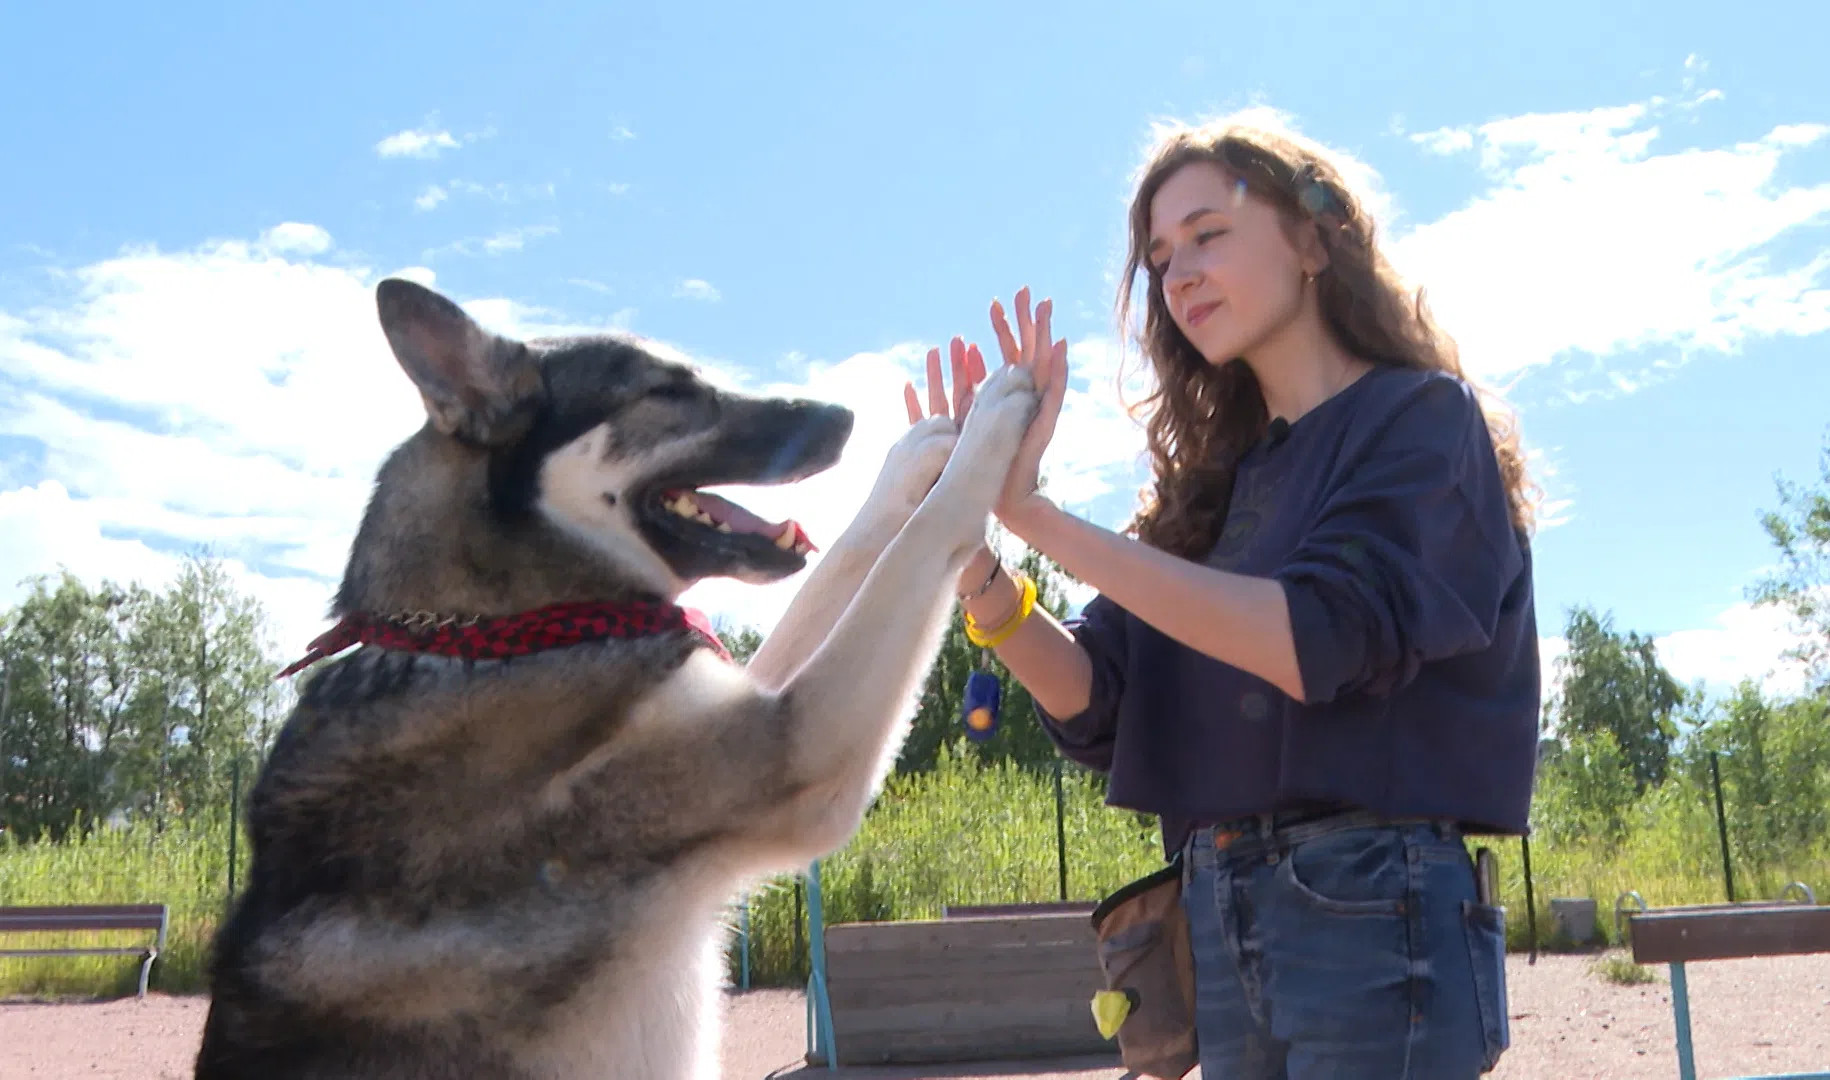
[{"x": 1199, "y": 313}]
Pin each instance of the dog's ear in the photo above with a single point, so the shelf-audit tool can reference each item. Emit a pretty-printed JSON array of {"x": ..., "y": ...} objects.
[{"x": 478, "y": 386}]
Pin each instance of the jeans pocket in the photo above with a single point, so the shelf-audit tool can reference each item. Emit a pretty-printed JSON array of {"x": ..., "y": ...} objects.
[
  {"x": 1486, "y": 928},
  {"x": 1352, "y": 872}
]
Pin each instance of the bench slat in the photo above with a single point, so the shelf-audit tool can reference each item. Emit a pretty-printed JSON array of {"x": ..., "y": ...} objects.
[
  {"x": 142, "y": 950},
  {"x": 86, "y": 909},
  {"x": 34, "y": 923},
  {"x": 1729, "y": 933}
]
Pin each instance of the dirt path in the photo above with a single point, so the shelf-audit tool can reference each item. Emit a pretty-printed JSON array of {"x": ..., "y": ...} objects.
[{"x": 1748, "y": 1017}]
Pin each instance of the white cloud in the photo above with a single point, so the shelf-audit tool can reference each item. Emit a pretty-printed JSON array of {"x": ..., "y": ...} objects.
[
  {"x": 498, "y": 243},
  {"x": 696, "y": 289},
  {"x": 295, "y": 238},
  {"x": 515, "y": 239},
  {"x": 426, "y": 142},
  {"x": 431, "y": 197},
  {"x": 1445, "y": 140},
  {"x": 1743, "y": 642},
  {"x": 1596, "y": 233}
]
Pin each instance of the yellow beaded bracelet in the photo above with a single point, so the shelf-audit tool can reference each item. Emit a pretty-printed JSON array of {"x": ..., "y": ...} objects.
[{"x": 1026, "y": 603}]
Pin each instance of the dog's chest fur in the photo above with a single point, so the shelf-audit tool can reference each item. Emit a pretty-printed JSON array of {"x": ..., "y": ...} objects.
[
  {"x": 510, "y": 861},
  {"x": 653, "y": 1013}
]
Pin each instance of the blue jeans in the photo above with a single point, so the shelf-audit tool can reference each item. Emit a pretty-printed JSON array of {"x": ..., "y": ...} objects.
[{"x": 1342, "y": 949}]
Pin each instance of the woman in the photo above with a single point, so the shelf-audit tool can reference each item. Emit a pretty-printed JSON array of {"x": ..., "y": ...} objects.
[{"x": 1316, "y": 660}]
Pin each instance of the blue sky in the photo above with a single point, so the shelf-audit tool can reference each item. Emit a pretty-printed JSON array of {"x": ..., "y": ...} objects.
[{"x": 1622, "y": 215}]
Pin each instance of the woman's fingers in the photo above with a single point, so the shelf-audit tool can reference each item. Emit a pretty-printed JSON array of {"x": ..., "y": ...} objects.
[
  {"x": 1000, "y": 328},
  {"x": 956, "y": 355},
  {"x": 912, "y": 401},
  {"x": 975, "y": 365},
  {"x": 1026, "y": 327},
  {"x": 937, "y": 390}
]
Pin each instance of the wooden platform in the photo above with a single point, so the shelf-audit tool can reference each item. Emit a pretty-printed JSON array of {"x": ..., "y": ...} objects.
[{"x": 969, "y": 987}]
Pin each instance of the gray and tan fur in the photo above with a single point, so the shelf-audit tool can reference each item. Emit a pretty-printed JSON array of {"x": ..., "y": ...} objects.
[{"x": 520, "y": 868}]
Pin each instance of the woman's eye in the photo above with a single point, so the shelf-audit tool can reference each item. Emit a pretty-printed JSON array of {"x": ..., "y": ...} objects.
[{"x": 1202, "y": 238}]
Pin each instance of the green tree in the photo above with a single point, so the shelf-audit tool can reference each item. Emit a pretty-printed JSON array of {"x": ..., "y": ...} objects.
[
  {"x": 1614, "y": 683},
  {"x": 121, "y": 700},
  {"x": 205, "y": 696},
  {"x": 66, "y": 684},
  {"x": 1585, "y": 789},
  {"x": 741, "y": 643},
  {"x": 1800, "y": 530},
  {"x": 1775, "y": 763}
]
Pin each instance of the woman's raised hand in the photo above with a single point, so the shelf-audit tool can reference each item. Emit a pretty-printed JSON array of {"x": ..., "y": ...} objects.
[{"x": 1031, "y": 347}]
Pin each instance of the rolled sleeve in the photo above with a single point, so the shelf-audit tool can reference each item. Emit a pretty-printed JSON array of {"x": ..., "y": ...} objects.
[
  {"x": 1087, "y": 737},
  {"x": 1409, "y": 559}
]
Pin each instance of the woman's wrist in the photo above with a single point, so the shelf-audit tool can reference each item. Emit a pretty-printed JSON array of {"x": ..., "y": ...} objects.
[{"x": 1027, "y": 516}]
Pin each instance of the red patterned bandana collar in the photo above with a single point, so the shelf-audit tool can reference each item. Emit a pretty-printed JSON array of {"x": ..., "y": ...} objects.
[{"x": 507, "y": 635}]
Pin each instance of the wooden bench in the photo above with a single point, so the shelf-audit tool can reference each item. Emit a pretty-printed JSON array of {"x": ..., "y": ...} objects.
[
  {"x": 981, "y": 983},
  {"x": 1679, "y": 935},
  {"x": 88, "y": 918}
]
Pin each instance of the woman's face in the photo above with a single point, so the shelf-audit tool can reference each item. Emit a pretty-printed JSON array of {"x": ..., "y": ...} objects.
[{"x": 1231, "y": 278}]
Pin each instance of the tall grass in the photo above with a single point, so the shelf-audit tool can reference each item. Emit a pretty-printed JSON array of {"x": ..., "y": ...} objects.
[{"x": 956, "y": 835}]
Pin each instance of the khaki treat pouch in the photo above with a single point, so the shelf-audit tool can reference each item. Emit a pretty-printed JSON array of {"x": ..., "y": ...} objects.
[{"x": 1149, "y": 1000}]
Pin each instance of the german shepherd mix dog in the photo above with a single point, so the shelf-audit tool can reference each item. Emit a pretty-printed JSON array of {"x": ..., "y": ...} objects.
[{"x": 500, "y": 838}]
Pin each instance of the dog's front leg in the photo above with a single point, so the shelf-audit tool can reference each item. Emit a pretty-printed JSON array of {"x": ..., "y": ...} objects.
[
  {"x": 847, "y": 705},
  {"x": 909, "y": 471}
]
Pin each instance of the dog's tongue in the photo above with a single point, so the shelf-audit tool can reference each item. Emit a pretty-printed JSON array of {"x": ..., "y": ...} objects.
[{"x": 743, "y": 521}]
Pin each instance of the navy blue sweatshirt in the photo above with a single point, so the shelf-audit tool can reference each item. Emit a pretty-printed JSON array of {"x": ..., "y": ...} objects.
[{"x": 1383, "y": 515}]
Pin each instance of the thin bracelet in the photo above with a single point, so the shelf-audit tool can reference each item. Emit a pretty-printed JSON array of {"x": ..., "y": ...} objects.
[{"x": 996, "y": 565}]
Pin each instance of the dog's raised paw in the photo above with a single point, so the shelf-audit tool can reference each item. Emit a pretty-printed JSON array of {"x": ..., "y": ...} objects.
[{"x": 1001, "y": 412}]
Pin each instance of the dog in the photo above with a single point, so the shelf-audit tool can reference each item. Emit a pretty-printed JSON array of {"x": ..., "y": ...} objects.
[{"x": 513, "y": 858}]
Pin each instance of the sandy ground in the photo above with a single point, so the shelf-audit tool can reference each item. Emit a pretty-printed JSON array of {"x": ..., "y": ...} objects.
[{"x": 1748, "y": 1017}]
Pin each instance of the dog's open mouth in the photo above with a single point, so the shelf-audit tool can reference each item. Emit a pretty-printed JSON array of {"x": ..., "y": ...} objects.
[{"x": 703, "y": 512}]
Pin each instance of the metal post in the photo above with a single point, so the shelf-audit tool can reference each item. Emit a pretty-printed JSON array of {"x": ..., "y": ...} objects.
[
  {"x": 800, "y": 942},
  {"x": 743, "y": 980},
  {"x": 1531, "y": 906},
  {"x": 1060, "y": 832},
  {"x": 1680, "y": 1010},
  {"x": 1728, "y": 869},
  {"x": 819, "y": 1005}
]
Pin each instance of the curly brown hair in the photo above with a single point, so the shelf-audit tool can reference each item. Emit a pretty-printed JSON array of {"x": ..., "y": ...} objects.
[{"x": 1202, "y": 417}]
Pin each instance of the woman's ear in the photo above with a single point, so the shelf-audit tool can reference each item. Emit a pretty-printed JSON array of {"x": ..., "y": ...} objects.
[{"x": 1311, "y": 253}]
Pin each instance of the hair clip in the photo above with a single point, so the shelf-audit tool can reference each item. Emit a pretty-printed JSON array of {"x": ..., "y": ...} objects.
[{"x": 1312, "y": 193}]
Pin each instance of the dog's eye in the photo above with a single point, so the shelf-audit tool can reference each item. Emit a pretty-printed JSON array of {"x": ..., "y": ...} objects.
[{"x": 674, "y": 392}]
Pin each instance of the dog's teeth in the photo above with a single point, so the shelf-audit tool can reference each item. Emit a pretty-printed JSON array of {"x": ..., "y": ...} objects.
[
  {"x": 801, "y": 548},
  {"x": 723, "y": 528},
  {"x": 703, "y": 518},
  {"x": 684, "y": 506},
  {"x": 785, "y": 540}
]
